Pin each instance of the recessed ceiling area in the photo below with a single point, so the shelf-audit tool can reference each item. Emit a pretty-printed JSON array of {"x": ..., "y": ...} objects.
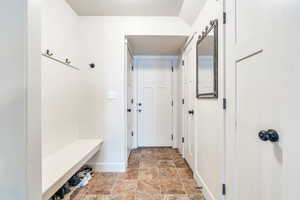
[
  {"x": 126, "y": 7},
  {"x": 156, "y": 45}
]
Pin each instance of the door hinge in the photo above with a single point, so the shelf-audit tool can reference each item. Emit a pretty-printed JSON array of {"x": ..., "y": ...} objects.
[
  {"x": 172, "y": 103},
  {"x": 182, "y": 101},
  {"x": 224, "y": 103},
  {"x": 132, "y": 101},
  {"x": 182, "y": 139},
  {"x": 182, "y": 62},
  {"x": 172, "y": 137},
  {"x": 131, "y": 133},
  {"x": 224, "y": 17},
  {"x": 172, "y": 69},
  {"x": 132, "y": 68},
  {"x": 224, "y": 189}
]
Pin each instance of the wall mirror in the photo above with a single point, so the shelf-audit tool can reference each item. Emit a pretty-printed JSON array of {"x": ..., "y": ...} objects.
[{"x": 207, "y": 62}]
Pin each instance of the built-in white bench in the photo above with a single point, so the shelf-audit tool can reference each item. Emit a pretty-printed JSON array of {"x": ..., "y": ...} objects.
[{"x": 59, "y": 167}]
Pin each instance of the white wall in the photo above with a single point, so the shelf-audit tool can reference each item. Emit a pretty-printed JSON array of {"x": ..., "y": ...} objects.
[
  {"x": 209, "y": 115},
  {"x": 103, "y": 43},
  {"x": 61, "y": 88},
  {"x": 190, "y": 10},
  {"x": 20, "y": 91}
]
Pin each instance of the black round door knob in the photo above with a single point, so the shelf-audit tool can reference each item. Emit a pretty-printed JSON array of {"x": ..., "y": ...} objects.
[
  {"x": 263, "y": 135},
  {"x": 273, "y": 135},
  {"x": 128, "y": 110},
  {"x": 191, "y": 112},
  {"x": 269, "y": 135}
]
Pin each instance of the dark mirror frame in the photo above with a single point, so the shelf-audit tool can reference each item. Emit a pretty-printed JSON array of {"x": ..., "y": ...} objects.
[{"x": 213, "y": 27}]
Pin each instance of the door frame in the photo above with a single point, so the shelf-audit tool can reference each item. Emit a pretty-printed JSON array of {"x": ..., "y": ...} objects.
[{"x": 127, "y": 48}]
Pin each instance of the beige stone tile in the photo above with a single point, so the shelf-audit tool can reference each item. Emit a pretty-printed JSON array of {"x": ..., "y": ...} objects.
[
  {"x": 171, "y": 186},
  {"x": 149, "y": 157},
  {"x": 133, "y": 165},
  {"x": 191, "y": 186},
  {"x": 177, "y": 197},
  {"x": 117, "y": 197},
  {"x": 148, "y": 173},
  {"x": 106, "y": 176},
  {"x": 147, "y": 178},
  {"x": 166, "y": 164},
  {"x": 145, "y": 196},
  {"x": 164, "y": 156},
  {"x": 125, "y": 187},
  {"x": 149, "y": 186},
  {"x": 148, "y": 164},
  {"x": 78, "y": 194},
  {"x": 168, "y": 173},
  {"x": 131, "y": 174},
  {"x": 90, "y": 197},
  {"x": 181, "y": 164},
  {"x": 196, "y": 197},
  {"x": 101, "y": 186},
  {"x": 185, "y": 173}
]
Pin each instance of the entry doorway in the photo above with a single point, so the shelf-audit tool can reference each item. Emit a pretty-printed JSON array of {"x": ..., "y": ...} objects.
[{"x": 155, "y": 69}]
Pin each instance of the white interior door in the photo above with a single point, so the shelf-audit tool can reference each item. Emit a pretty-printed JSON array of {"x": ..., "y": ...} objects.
[
  {"x": 130, "y": 102},
  {"x": 154, "y": 104},
  {"x": 190, "y": 95},
  {"x": 259, "y": 82}
]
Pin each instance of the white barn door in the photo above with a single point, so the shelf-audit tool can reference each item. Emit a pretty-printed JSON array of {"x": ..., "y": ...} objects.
[{"x": 154, "y": 102}]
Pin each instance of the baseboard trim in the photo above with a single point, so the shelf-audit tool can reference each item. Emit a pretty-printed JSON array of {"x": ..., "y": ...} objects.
[
  {"x": 206, "y": 192},
  {"x": 108, "y": 167}
]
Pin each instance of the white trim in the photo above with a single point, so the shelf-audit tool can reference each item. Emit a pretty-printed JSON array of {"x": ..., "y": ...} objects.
[
  {"x": 125, "y": 142},
  {"x": 206, "y": 192},
  {"x": 156, "y": 57},
  {"x": 108, "y": 166}
]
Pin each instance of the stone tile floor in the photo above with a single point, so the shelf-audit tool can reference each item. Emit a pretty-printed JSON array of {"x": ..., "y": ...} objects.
[{"x": 153, "y": 174}]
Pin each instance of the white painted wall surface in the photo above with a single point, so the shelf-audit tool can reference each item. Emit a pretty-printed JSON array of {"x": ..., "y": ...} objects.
[
  {"x": 103, "y": 44},
  {"x": 190, "y": 10},
  {"x": 34, "y": 100},
  {"x": 61, "y": 91},
  {"x": 289, "y": 25},
  {"x": 209, "y": 115},
  {"x": 20, "y": 90}
]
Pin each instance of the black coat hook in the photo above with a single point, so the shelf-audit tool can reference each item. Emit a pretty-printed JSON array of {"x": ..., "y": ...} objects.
[
  {"x": 67, "y": 61},
  {"x": 48, "y": 53},
  {"x": 92, "y": 65}
]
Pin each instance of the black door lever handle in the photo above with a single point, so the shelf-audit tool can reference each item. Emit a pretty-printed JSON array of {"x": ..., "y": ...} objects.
[
  {"x": 128, "y": 110},
  {"x": 191, "y": 112}
]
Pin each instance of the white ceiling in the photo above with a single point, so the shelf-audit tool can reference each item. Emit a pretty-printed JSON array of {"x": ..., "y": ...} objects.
[
  {"x": 156, "y": 45},
  {"x": 186, "y": 9},
  {"x": 126, "y": 7}
]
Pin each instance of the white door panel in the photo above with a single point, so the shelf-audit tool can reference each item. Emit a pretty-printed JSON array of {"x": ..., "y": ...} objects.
[
  {"x": 155, "y": 97},
  {"x": 190, "y": 95},
  {"x": 148, "y": 134},
  {"x": 259, "y": 163},
  {"x": 258, "y": 86}
]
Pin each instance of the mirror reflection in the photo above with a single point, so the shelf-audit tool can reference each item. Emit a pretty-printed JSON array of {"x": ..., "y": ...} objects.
[{"x": 207, "y": 63}]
